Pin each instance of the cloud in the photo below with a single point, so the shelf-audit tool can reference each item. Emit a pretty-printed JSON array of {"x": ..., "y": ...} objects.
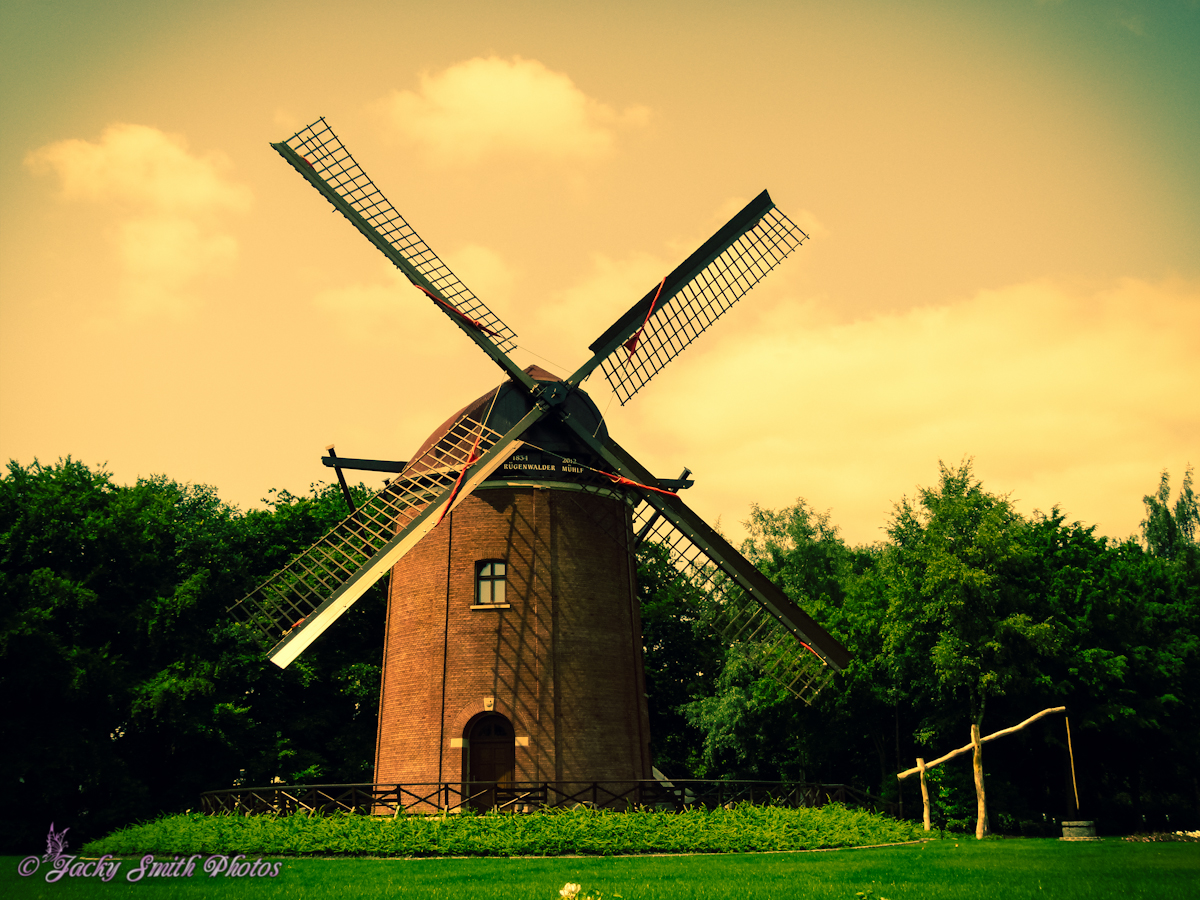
[
  {"x": 168, "y": 205},
  {"x": 161, "y": 255},
  {"x": 1135, "y": 25},
  {"x": 581, "y": 312},
  {"x": 1063, "y": 395},
  {"x": 143, "y": 167},
  {"x": 491, "y": 106},
  {"x": 485, "y": 272},
  {"x": 388, "y": 312},
  {"x": 364, "y": 309},
  {"x": 372, "y": 312}
]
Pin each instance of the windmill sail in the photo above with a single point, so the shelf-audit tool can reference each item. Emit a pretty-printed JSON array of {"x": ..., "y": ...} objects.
[
  {"x": 295, "y": 606},
  {"x": 689, "y": 300},
  {"x": 741, "y": 605},
  {"x": 319, "y": 155},
  {"x": 298, "y": 603}
]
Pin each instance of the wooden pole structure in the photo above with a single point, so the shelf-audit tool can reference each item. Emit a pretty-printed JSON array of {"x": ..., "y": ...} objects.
[
  {"x": 988, "y": 737},
  {"x": 1071, "y": 753},
  {"x": 976, "y": 745},
  {"x": 924, "y": 793},
  {"x": 981, "y": 827}
]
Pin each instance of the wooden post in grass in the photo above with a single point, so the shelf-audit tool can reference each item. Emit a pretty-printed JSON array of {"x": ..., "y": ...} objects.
[
  {"x": 981, "y": 827},
  {"x": 924, "y": 793},
  {"x": 1071, "y": 753},
  {"x": 976, "y": 745}
]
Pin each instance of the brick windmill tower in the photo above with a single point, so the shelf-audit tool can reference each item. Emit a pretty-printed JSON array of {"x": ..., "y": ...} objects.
[{"x": 513, "y": 649}]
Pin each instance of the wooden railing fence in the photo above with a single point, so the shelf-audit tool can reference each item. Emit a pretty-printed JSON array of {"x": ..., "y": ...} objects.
[{"x": 455, "y": 797}]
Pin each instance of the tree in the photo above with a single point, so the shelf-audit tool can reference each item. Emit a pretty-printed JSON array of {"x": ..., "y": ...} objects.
[
  {"x": 1168, "y": 532},
  {"x": 956, "y": 610},
  {"x": 126, "y": 689},
  {"x": 681, "y": 657},
  {"x": 958, "y": 624},
  {"x": 751, "y": 727},
  {"x": 1048, "y": 614}
]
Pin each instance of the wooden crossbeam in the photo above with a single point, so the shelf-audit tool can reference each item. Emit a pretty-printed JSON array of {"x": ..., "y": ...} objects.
[
  {"x": 991, "y": 737},
  {"x": 976, "y": 746}
]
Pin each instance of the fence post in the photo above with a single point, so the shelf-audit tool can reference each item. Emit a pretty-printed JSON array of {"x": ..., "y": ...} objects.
[
  {"x": 981, "y": 826},
  {"x": 924, "y": 792}
]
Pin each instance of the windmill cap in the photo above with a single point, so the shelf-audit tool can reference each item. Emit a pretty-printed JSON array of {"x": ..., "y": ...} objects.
[{"x": 505, "y": 405}]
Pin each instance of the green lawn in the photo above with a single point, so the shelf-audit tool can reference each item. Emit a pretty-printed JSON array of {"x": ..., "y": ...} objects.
[{"x": 963, "y": 870}]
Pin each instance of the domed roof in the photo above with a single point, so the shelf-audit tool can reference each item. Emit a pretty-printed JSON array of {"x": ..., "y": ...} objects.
[{"x": 549, "y": 439}]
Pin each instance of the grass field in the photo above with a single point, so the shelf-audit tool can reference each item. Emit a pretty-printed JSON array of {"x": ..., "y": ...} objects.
[{"x": 998, "y": 869}]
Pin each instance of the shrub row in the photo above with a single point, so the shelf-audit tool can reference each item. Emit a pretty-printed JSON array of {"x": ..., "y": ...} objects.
[{"x": 742, "y": 828}]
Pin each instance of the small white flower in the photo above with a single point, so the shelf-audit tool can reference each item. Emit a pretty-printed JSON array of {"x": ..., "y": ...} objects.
[{"x": 569, "y": 891}]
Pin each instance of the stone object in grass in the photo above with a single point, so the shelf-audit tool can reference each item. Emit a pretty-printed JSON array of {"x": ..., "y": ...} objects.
[{"x": 1079, "y": 831}]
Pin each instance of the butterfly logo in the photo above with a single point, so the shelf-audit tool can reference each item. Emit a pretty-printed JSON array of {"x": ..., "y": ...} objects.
[{"x": 56, "y": 844}]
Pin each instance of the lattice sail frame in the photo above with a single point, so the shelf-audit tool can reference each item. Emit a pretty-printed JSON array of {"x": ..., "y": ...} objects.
[
  {"x": 678, "y": 320},
  {"x": 290, "y": 596},
  {"x": 735, "y": 615},
  {"x": 323, "y": 150}
]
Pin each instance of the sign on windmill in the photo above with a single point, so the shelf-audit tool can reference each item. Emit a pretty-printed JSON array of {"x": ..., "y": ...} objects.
[{"x": 513, "y": 648}]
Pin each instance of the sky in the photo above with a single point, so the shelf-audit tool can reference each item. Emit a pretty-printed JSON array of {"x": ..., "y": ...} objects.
[{"x": 1002, "y": 198}]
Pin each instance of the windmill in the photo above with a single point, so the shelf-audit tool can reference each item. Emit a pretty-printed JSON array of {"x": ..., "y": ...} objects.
[{"x": 513, "y": 648}]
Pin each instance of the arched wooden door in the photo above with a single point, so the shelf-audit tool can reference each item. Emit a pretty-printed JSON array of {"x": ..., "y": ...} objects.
[{"x": 491, "y": 757}]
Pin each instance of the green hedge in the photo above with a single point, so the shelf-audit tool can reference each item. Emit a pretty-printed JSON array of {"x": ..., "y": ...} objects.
[{"x": 582, "y": 831}]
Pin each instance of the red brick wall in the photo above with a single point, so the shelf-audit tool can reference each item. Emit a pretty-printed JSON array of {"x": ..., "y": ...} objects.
[{"x": 563, "y": 663}]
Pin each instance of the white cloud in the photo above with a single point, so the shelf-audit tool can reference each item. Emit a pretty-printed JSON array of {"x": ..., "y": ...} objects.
[
  {"x": 168, "y": 205},
  {"x": 287, "y": 121},
  {"x": 390, "y": 313},
  {"x": 387, "y": 306},
  {"x": 369, "y": 312},
  {"x": 162, "y": 254},
  {"x": 143, "y": 167},
  {"x": 518, "y": 107},
  {"x": 1135, "y": 25},
  {"x": 807, "y": 221},
  {"x": 580, "y": 313},
  {"x": 485, "y": 272},
  {"x": 1063, "y": 395}
]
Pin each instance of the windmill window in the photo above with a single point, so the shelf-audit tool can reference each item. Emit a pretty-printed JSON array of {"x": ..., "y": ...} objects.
[{"x": 490, "y": 582}]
